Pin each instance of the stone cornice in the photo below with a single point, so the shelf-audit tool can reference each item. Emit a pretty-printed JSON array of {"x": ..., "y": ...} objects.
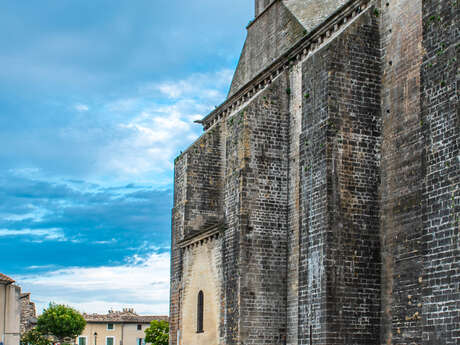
[
  {"x": 299, "y": 51},
  {"x": 200, "y": 238}
]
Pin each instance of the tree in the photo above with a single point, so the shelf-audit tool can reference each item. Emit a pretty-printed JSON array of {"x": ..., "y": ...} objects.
[
  {"x": 157, "y": 333},
  {"x": 61, "y": 322},
  {"x": 34, "y": 337}
]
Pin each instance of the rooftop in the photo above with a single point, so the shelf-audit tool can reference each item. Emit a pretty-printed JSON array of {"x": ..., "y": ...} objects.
[
  {"x": 5, "y": 279},
  {"x": 127, "y": 315}
]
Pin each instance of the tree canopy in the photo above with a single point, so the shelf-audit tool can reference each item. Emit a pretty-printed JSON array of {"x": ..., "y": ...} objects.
[
  {"x": 34, "y": 337},
  {"x": 157, "y": 333},
  {"x": 61, "y": 321}
]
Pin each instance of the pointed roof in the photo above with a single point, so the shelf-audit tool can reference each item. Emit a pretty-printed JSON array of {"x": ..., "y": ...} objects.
[
  {"x": 276, "y": 29},
  {"x": 4, "y": 279}
]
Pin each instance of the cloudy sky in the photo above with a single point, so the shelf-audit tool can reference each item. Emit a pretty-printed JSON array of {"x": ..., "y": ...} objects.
[{"x": 97, "y": 98}]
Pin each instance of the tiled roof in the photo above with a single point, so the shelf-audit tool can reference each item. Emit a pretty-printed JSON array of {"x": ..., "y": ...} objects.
[
  {"x": 5, "y": 279},
  {"x": 123, "y": 316}
]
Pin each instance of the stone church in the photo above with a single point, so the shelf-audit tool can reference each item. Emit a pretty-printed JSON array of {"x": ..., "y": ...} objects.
[{"x": 321, "y": 205}]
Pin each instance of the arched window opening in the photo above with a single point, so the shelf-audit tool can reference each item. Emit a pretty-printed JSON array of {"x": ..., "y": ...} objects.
[{"x": 199, "y": 314}]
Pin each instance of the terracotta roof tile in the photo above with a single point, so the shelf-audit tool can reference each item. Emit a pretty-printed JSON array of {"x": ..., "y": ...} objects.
[{"x": 5, "y": 279}]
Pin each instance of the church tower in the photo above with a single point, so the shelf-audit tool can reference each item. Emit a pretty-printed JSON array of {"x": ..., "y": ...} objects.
[
  {"x": 261, "y": 5},
  {"x": 321, "y": 204}
]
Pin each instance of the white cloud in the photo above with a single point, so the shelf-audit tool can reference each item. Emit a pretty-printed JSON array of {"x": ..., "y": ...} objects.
[
  {"x": 141, "y": 283},
  {"x": 81, "y": 107},
  {"x": 39, "y": 267},
  {"x": 137, "y": 135},
  {"x": 25, "y": 172},
  {"x": 112, "y": 241},
  {"x": 207, "y": 86},
  {"x": 35, "y": 212},
  {"x": 36, "y": 235},
  {"x": 157, "y": 124}
]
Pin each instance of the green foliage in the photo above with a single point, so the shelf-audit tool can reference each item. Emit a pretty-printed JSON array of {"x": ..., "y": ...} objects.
[
  {"x": 61, "y": 321},
  {"x": 157, "y": 333},
  {"x": 34, "y": 337}
]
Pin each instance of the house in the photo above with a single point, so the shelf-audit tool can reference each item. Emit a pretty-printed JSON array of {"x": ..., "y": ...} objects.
[
  {"x": 116, "y": 328},
  {"x": 10, "y": 311}
]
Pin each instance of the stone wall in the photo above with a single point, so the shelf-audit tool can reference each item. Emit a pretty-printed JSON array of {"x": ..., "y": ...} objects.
[
  {"x": 263, "y": 176},
  {"x": 352, "y": 148},
  {"x": 201, "y": 187},
  {"x": 28, "y": 313},
  {"x": 402, "y": 173},
  {"x": 440, "y": 127},
  {"x": 313, "y": 199},
  {"x": 420, "y": 185},
  {"x": 261, "y": 5},
  {"x": 334, "y": 260},
  {"x": 197, "y": 206},
  {"x": 294, "y": 197},
  {"x": 202, "y": 272}
]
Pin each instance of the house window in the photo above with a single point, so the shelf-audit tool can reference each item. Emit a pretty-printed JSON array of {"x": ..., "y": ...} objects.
[
  {"x": 110, "y": 326},
  {"x": 139, "y": 327},
  {"x": 199, "y": 313},
  {"x": 81, "y": 340},
  {"x": 109, "y": 341}
]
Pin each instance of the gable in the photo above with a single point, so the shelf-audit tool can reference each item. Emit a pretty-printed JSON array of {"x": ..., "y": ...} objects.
[
  {"x": 269, "y": 36},
  {"x": 275, "y": 30}
]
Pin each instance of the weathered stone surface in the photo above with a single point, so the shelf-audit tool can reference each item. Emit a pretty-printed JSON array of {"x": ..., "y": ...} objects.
[
  {"x": 261, "y": 5},
  {"x": 28, "y": 314},
  {"x": 339, "y": 264},
  {"x": 202, "y": 265},
  {"x": 311, "y": 13},
  {"x": 337, "y": 201},
  {"x": 271, "y": 35}
]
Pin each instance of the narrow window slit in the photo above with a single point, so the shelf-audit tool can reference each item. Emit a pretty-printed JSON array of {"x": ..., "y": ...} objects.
[{"x": 200, "y": 307}]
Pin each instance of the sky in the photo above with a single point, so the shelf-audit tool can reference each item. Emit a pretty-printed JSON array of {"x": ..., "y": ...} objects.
[{"x": 97, "y": 98}]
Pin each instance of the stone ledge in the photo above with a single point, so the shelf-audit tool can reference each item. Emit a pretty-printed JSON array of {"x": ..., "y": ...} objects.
[{"x": 207, "y": 234}]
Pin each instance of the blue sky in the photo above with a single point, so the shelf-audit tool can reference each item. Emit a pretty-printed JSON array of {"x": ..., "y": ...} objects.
[{"x": 97, "y": 98}]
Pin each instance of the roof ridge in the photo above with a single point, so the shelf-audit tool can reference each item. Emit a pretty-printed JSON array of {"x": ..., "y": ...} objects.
[
  {"x": 5, "y": 278},
  {"x": 122, "y": 316}
]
